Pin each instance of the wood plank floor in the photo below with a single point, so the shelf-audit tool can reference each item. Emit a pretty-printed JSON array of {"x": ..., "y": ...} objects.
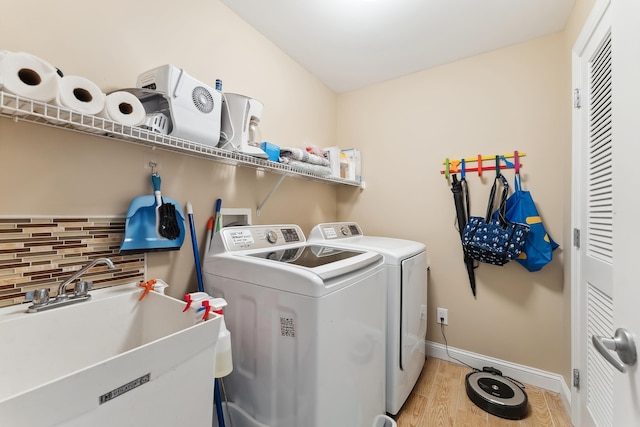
[{"x": 439, "y": 399}]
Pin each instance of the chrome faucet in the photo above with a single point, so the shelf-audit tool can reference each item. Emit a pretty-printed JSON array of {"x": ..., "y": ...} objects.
[
  {"x": 62, "y": 289},
  {"x": 41, "y": 296}
]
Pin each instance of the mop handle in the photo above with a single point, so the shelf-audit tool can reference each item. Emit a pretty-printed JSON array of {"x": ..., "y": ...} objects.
[{"x": 194, "y": 243}]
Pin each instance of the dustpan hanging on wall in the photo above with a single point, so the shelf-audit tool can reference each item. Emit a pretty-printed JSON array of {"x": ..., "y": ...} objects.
[{"x": 154, "y": 223}]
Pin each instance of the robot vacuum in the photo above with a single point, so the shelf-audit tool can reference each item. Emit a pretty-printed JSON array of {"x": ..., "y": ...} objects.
[{"x": 496, "y": 394}]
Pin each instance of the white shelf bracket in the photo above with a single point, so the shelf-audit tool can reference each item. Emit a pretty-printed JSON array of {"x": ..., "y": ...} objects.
[{"x": 261, "y": 205}]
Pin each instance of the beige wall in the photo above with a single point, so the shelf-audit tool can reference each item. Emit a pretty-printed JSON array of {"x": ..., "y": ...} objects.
[
  {"x": 49, "y": 171},
  {"x": 517, "y": 98}
]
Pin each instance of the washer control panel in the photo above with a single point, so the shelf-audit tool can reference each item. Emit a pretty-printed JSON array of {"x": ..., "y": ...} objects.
[
  {"x": 261, "y": 236},
  {"x": 272, "y": 236}
]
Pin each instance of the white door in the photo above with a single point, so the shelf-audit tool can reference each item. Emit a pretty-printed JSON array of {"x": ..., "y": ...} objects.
[{"x": 605, "y": 293}]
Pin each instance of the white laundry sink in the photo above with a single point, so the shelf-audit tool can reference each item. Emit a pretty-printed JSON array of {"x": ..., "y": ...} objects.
[{"x": 109, "y": 361}]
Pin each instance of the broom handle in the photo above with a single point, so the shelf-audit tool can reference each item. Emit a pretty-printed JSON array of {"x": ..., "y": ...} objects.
[{"x": 194, "y": 243}]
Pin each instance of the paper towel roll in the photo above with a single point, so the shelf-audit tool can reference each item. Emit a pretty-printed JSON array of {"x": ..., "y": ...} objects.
[
  {"x": 80, "y": 94},
  {"x": 124, "y": 108},
  {"x": 28, "y": 76},
  {"x": 2, "y": 55}
]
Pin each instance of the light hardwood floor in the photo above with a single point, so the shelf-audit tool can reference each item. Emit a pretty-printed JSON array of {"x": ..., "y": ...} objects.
[{"x": 439, "y": 399}]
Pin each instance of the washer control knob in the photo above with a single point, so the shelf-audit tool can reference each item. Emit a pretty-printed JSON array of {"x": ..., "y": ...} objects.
[
  {"x": 272, "y": 236},
  {"x": 344, "y": 230}
]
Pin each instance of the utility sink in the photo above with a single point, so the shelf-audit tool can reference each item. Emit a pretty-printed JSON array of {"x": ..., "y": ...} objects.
[{"x": 109, "y": 361}]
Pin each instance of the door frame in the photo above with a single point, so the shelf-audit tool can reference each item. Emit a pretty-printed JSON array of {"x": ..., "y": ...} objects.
[{"x": 577, "y": 312}]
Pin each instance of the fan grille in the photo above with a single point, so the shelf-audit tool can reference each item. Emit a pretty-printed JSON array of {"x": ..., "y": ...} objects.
[{"x": 202, "y": 99}]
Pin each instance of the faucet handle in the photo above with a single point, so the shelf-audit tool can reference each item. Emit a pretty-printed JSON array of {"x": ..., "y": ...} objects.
[
  {"x": 81, "y": 288},
  {"x": 40, "y": 296}
]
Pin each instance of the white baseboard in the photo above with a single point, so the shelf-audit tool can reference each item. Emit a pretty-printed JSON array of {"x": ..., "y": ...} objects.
[{"x": 525, "y": 374}]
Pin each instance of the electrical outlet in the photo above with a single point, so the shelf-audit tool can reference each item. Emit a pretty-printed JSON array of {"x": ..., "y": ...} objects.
[{"x": 443, "y": 316}]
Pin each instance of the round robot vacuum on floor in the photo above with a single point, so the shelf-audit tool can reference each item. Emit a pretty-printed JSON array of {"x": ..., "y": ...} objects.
[{"x": 497, "y": 395}]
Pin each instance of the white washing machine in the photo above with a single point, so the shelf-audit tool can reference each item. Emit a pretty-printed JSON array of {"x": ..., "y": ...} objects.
[
  {"x": 406, "y": 265},
  {"x": 307, "y": 327}
]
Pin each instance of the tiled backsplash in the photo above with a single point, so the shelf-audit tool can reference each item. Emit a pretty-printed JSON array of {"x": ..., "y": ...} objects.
[{"x": 43, "y": 252}]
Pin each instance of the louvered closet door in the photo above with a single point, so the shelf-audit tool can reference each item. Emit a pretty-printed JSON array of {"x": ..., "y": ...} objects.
[
  {"x": 598, "y": 242},
  {"x": 607, "y": 284},
  {"x": 596, "y": 227}
]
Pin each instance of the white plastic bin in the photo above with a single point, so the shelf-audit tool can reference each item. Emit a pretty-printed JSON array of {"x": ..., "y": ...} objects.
[
  {"x": 384, "y": 421},
  {"x": 233, "y": 415}
]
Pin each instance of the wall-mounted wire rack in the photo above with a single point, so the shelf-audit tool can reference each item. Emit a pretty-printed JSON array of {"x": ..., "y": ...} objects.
[{"x": 23, "y": 109}]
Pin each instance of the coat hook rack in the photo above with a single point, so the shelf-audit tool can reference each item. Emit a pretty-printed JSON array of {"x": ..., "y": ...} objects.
[{"x": 500, "y": 163}]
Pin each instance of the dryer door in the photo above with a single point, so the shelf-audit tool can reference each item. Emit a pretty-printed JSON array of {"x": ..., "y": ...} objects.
[{"x": 414, "y": 312}]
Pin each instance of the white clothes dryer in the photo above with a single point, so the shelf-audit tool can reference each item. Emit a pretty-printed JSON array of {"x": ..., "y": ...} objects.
[
  {"x": 406, "y": 265},
  {"x": 307, "y": 327}
]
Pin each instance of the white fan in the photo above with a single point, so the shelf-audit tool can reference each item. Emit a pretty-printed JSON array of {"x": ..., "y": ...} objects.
[{"x": 195, "y": 107}]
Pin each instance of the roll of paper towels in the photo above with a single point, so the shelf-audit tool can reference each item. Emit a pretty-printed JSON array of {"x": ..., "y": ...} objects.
[
  {"x": 80, "y": 94},
  {"x": 28, "y": 76},
  {"x": 2, "y": 55},
  {"x": 124, "y": 108}
]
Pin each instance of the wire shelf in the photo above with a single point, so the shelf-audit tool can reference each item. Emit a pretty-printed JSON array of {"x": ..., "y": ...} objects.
[{"x": 23, "y": 109}]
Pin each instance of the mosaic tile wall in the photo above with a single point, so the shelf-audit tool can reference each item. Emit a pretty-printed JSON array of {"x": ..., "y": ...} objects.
[{"x": 43, "y": 252}]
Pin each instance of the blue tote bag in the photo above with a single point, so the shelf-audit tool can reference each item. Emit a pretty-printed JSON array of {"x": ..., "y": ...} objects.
[
  {"x": 539, "y": 246},
  {"x": 494, "y": 239}
]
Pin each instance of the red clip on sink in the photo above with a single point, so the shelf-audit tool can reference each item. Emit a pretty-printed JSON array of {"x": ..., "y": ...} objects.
[{"x": 148, "y": 286}]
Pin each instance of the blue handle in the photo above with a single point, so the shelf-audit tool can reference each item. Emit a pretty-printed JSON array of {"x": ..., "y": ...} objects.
[
  {"x": 196, "y": 252},
  {"x": 218, "y": 400},
  {"x": 216, "y": 219},
  {"x": 155, "y": 181}
]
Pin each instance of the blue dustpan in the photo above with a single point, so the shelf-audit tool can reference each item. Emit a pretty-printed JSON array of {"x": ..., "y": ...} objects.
[{"x": 141, "y": 227}]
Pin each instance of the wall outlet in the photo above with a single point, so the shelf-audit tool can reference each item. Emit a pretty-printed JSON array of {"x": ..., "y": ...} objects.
[{"x": 443, "y": 316}]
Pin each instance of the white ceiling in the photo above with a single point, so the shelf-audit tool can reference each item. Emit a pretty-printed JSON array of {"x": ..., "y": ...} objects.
[{"x": 350, "y": 44}]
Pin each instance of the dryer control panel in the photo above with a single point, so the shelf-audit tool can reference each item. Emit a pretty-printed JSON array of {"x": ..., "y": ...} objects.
[
  {"x": 336, "y": 230},
  {"x": 261, "y": 236}
]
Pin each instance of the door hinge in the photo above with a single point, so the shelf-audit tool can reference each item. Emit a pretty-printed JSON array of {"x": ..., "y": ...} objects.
[
  {"x": 576, "y": 237},
  {"x": 576, "y": 98},
  {"x": 576, "y": 378}
]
